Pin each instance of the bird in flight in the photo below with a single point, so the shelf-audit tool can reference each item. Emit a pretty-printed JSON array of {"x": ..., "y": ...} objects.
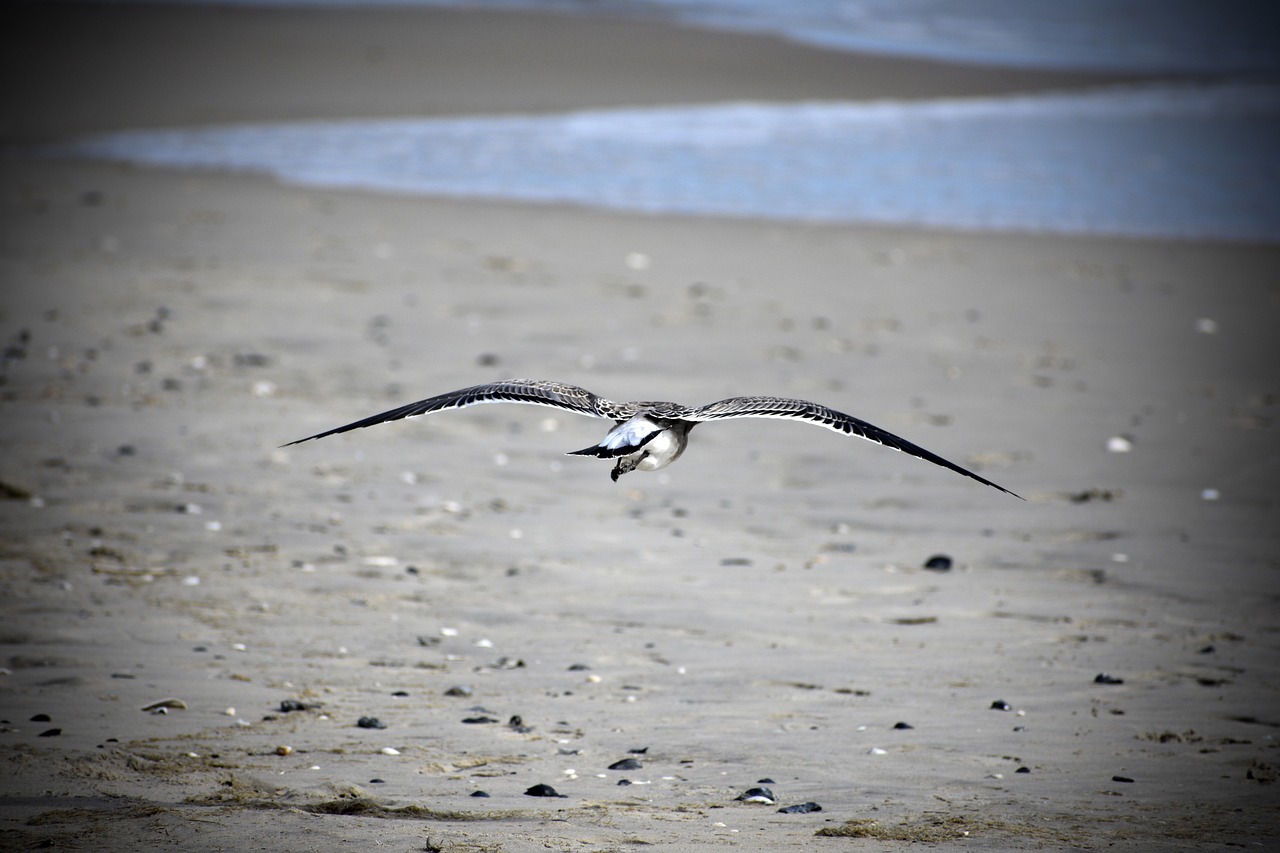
[{"x": 649, "y": 435}]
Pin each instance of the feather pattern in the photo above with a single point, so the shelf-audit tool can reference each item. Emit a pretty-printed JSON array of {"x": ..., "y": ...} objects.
[
  {"x": 639, "y": 423},
  {"x": 803, "y": 410},
  {"x": 535, "y": 392}
]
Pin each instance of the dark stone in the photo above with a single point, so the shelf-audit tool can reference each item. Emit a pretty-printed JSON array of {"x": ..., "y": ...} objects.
[
  {"x": 802, "y": 808},
  {"x": 938, "y": 563},
  {"x": 542, "y": 791}
]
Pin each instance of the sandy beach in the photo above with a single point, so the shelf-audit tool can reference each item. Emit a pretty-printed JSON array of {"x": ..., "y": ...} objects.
[{"x": 1097, "y": 669}]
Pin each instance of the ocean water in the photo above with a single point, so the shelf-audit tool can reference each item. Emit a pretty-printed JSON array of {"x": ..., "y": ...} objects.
[
  {"x": 1165, "y": 160},
  {"x": 1115, "y": 35}
]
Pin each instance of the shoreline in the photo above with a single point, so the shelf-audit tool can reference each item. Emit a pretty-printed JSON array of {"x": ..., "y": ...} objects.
[{"x": 382, "y": 63}]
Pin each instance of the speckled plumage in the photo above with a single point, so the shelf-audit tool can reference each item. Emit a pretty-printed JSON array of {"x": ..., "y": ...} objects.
[{"x": 649, "y": 434}]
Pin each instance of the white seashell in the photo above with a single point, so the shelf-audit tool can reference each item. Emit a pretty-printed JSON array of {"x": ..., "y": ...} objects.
[
  {"x": 1119, "y": 444},
  {"x": 161, "y": 706}
]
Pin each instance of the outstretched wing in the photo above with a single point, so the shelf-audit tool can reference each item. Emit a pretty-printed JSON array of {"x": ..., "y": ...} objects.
[
  {"x": 536, "y": 392},
  {"x": 803, "y": 410}
]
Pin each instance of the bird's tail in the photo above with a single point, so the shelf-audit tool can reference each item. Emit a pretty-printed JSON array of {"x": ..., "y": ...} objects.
[{"x": 600, "y": 451}]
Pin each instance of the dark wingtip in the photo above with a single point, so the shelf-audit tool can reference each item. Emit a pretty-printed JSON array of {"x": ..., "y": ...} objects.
[{"x": 987, "y": 482}]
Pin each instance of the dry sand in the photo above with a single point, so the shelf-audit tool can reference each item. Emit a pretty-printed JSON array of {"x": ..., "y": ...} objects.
[{"x": 759, "y": 610}]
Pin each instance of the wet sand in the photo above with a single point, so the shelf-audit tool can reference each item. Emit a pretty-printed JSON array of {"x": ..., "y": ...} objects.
[{"x": 757, "y": 611}]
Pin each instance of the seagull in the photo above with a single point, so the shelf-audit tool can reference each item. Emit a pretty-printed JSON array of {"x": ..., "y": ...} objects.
[{"x": 648, "y": 435}]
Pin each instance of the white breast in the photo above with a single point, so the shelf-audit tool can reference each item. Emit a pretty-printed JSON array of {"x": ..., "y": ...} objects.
[{"x": 662, "y": 450}]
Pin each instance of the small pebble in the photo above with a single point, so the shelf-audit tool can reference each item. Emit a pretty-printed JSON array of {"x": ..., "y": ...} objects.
[
  {"x": 284, "y": 750},
  {"x": 802, "y": 808},
  {"x": 765, "y": 781},
  {"x": 289, "y": 705},
  {"x": 251, "y": 359},
  {"x": 459, "y": 690},
  {"x": 1103, "y": 678},
  {"x": 516, "y": 724},
  {"x": 542, "y": 791},
  {"x": 1001, "y": 705},
  {"x": 50, "y": 733},
  {"x": 370, "y": 723},
  {"x": 479, "y": 720},
  {"x": 377, "y": 781},
  {"x": 875, "y": 750},
  {"x": 1121, "y": 779},
  {"x": 624, "y": 782},
  {"x": 757, "y": 795},
  {"x": 1023, "y": 770},
  {"x": 400, "y": 693},
  {"x": 389, "y": 750},
  {"x": 938, "y": 563},
  {"x": 479, "y": 793},
  {"x": 626, "y": 764},
  {"x": 42, "y": 718},
  {"x": 903, "y": 726},
  {"x": 1119, "y": 444}
]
